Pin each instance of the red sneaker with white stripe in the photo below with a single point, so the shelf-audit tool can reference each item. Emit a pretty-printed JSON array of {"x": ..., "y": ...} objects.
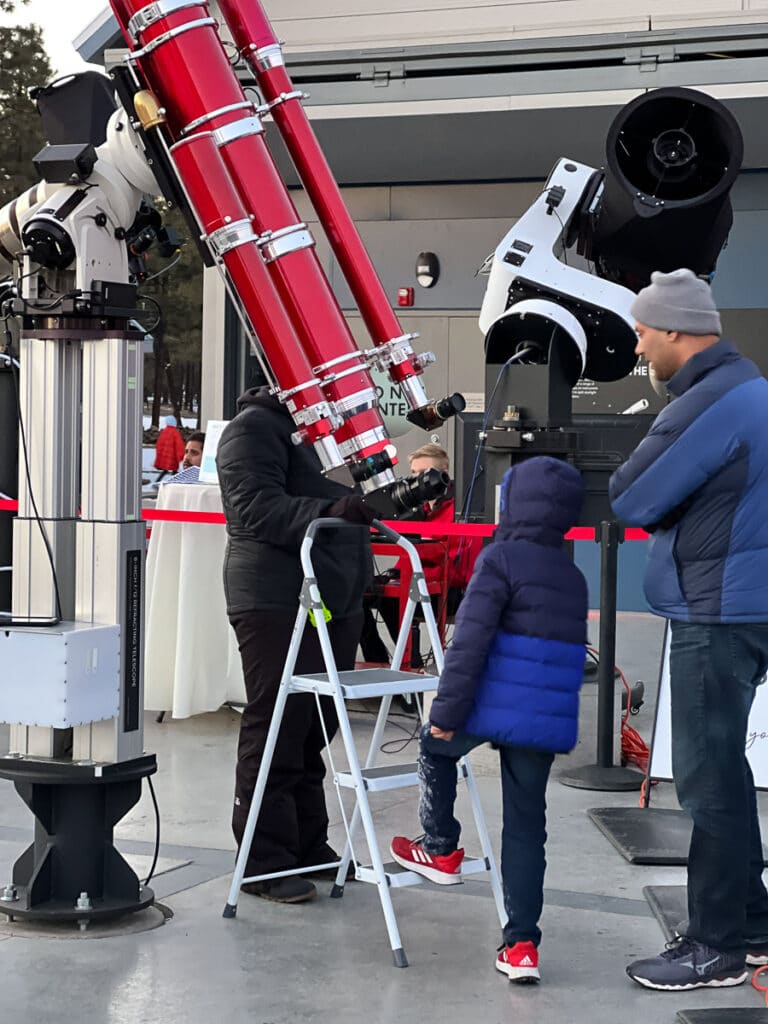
[
  {"x": 409, "y": 853},
  {"x": 520, "y": 963}
]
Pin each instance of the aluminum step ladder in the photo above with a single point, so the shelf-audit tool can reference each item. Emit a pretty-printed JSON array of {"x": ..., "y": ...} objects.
[{"x": 357, "y": 684}]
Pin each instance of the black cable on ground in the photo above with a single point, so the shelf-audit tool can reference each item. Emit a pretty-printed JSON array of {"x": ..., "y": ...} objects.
[
  {"x": 7, "y": 618},
  {"x": 157, "y": 832},
  {"x": 397, "y": 745}
]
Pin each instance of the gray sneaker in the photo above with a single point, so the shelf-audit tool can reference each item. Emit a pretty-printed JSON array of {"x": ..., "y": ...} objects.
[
  {"x": 757, "y": 954},
  {"x": 687, "y": 964},
  {"x": 756, "y": 948}
]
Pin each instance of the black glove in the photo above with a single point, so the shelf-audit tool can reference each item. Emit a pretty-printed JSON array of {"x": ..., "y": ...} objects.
[{"x": 352, "y": 508}]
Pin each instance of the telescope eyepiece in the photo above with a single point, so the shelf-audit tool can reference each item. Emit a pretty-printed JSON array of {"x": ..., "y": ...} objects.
[{"x": 431, "y": 416}]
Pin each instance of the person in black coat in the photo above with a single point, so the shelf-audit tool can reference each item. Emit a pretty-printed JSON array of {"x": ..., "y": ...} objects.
[{"x": 271, "y": 490}]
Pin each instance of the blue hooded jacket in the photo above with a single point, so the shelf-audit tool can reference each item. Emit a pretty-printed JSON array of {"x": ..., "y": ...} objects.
[
  {"x": 513, "y": 671},
  {"x": 699, "y": 480}
]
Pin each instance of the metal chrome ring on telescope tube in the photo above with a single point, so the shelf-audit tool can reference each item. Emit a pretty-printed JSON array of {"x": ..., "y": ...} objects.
[
  {"x": 414, "y": 393},
  {"x": 283, "y": 396},
  {"x": 245, "y": 105},
  {"x": 237, "y": 130},
  {"x": 333, "y": 377},
  {"x": 402, "y": 342},
  {"x": 156, "y": 11},
  {"x": 275, "y": 244},
  {"x": 230, "y": 236},
  {"x": 297, "y": 94},
  {"x": 391, "y": 353},
  {"x": 314, "y": 413},
  {"x": 328, "y": 452},
  {"x": 362, "y": 441},
  {"x": 361, "y": 401},
  {"x": 357, "y": 354},
  {"x": 135, "y": 55},
  {"x": 268, "y": 57}
]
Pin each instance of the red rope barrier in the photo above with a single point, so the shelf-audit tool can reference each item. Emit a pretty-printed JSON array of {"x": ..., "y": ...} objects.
[{"x": 171, "y": 515}]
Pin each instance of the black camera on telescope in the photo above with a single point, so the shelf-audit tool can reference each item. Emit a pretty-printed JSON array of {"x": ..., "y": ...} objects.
[{"x": 411, "y": 492}]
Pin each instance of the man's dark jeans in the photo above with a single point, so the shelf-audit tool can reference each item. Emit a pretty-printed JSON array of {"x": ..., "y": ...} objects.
[
  {"x": 524, "y": 775},
  {"x": 714, "y": 672}
]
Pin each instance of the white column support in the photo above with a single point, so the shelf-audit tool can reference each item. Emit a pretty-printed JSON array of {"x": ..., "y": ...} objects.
[{"x": 212, "y": 372}]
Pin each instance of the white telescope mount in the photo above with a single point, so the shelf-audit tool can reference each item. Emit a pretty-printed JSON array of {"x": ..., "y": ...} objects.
[{"x": 72, "y": 649}]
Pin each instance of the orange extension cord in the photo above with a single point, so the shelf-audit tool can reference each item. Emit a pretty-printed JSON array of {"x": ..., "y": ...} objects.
[
  {"x": 756, "y": 984},
  {"x": 633, "y": 746}
]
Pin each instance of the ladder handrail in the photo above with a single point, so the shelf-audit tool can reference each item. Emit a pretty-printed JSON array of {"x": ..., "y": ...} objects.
[
  {"x": 385, "y": 531},
  {"x": 419, "y": 593}
]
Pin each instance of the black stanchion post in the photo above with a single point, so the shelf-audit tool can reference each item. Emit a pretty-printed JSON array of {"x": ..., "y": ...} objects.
[
  {"x": 609, "y": 567},
  {"x": 605, "y": 775}
]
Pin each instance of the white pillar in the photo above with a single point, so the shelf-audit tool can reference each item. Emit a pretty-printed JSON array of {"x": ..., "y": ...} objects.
[{"x": 212, "y": 372}]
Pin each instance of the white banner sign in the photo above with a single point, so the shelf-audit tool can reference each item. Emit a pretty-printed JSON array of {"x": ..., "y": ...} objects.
[
  {"x": 661, "y": 749},
  {"x": 213, "y": 431}
]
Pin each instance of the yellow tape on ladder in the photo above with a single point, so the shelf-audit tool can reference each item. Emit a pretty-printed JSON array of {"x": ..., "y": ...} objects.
[{"x": 326, "y": 614}]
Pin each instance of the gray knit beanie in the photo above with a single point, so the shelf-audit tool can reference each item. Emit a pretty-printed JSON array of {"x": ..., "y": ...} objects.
[{"x": 679, "y": 301}]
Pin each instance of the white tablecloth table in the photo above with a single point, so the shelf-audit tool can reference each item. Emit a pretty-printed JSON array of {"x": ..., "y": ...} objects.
[{"x": 192, "y": 664}]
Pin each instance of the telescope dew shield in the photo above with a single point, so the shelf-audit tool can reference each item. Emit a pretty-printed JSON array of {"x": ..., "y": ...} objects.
[{"x": 672, "y": 158}]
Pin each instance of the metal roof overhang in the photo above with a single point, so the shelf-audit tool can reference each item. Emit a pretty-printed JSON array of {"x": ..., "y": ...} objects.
[{"x": 508, "y": 110}]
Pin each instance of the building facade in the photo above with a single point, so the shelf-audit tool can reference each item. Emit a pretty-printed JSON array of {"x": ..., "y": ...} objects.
[{"x": 442, "y": 118}]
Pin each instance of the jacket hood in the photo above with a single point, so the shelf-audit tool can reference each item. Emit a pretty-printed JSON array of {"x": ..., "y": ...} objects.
[
  {"x": 261, "y": 396},
  {"x": 541, "y": 499}
]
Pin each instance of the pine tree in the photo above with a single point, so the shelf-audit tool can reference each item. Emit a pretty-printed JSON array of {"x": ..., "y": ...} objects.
[
  {"x": 23, "y": 64},
  {"x": 178, "y": 293}
]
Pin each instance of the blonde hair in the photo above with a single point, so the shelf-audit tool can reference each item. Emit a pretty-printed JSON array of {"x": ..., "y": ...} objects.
[{"x": 434, "y": 452}]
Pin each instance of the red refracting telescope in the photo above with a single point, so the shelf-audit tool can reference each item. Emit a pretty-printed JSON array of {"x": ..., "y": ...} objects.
[{"x": 213, "y": 134}]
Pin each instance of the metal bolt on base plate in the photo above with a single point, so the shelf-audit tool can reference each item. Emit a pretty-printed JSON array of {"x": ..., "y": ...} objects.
[{"x": 9, "y": 894}]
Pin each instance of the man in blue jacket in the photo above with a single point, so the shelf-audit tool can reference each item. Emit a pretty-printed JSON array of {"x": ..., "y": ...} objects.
[
  {"x": 512, "y": 676},
  {"x": 699, "y": 484}
]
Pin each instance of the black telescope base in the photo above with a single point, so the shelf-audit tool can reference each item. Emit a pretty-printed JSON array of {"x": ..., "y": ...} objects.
[
  {"x": 72, "y": 871},
  {"x": 605, "y": 778}
]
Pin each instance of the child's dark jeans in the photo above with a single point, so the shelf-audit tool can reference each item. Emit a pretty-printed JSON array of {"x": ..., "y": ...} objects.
[{"x": 524, "y": 775}]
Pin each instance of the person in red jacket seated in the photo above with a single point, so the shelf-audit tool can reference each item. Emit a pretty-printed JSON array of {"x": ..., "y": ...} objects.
[
  {"x": 169, "y": 449},
  {"x": 462, "y": 553}
]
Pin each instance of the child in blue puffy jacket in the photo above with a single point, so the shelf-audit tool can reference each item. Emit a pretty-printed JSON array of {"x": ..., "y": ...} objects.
[{"x": 512, "y": 676}]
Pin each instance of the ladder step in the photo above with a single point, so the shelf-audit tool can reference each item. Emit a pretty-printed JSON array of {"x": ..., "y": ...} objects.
[
  {"x": 399, "y": 877},
  {"x": 365, "y": 682},
  {"x": 474, "y": 866},
  {"x": 396, "y": 776}
]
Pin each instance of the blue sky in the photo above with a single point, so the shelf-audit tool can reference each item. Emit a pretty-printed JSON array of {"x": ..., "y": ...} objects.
[{"x": 61, "y": 21}]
